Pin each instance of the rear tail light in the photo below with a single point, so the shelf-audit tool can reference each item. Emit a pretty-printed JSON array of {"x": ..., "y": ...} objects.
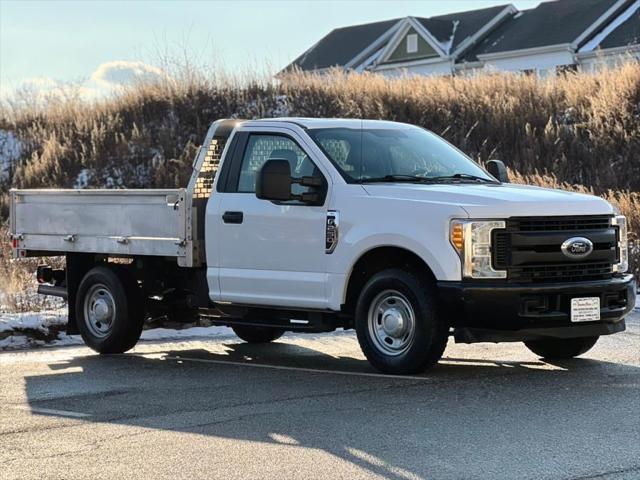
[{"x": 15, "y": 240}]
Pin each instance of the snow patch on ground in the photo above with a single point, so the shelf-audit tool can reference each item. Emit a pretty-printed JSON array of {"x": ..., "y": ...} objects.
[
  {"x": 169, "y": 333},
  {"x": 28, "y": 330},
  {"x": 20, "y": 341},
  {"x": 37, "y": 329},
  {"x": 24, "y": 330},
  {"x": 10, "y": 150},
  {"x": 40, "y": 321},
  {"x": 82, "y": 180}
]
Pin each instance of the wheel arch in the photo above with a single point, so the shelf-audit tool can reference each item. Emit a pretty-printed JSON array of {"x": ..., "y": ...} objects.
[{"x": 376, "y": 259}]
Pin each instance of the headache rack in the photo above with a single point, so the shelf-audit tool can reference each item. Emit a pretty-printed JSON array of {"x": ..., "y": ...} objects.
[{"x": 529, "y": 249}]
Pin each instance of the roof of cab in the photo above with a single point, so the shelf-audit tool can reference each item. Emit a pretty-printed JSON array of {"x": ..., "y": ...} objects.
[{"x": 329, "y": 122}]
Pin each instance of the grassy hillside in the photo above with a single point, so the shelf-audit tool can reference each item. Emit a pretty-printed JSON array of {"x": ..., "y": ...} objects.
[
  {"x": 575, "y": 131},
  {"x": 583, "y": 129}
]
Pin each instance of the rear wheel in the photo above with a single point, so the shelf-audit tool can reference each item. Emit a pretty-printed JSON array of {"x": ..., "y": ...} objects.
[
  {"x": 252, "y": 334},
  {"x": 397, "y": 324},
  {"x": 109, "y": 311},
  {"x": 561, "y": 347}
]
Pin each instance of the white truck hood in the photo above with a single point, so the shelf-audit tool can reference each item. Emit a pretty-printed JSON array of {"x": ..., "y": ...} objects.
[{"x": 496, "y": 201}]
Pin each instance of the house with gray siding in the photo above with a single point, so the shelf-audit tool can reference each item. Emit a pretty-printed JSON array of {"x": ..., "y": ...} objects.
[{"x": 553, "y": 37}]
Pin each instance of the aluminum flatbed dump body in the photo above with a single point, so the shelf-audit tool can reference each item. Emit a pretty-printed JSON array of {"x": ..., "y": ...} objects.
[
  {"x": 113, "y": 222},
  {"x": 125, "y": 222}
]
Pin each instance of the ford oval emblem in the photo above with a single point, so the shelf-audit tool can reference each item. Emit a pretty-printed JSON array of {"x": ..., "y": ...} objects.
[{"x": 576, "y": 248}]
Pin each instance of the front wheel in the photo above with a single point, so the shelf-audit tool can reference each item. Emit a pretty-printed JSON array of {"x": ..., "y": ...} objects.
[
  {"x": 109, "y": 313},
  {"x": 561, "y": 347},
  {"x": 397, "y": 324}
]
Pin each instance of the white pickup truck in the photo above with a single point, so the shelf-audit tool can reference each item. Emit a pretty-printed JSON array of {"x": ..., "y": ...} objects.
[{"x": 318, "y": 224}]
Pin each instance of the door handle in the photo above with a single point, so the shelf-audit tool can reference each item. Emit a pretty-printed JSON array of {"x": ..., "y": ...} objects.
[{"x": 232, "y": 217}]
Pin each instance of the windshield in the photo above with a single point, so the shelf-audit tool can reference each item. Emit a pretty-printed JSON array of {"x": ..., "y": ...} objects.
[{"x": 403, "y": 154}]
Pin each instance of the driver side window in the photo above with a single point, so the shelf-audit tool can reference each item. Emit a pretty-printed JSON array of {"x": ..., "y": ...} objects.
[{"x": 261, "y": 148}]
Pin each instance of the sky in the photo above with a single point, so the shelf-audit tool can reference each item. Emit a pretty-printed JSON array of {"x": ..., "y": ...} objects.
[{"x": 101, "y": 43}]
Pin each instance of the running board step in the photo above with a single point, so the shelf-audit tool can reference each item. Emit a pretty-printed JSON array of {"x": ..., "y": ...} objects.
[{"x": 286, "y": 324}]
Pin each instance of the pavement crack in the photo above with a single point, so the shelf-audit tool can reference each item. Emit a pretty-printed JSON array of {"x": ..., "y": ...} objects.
[{"x": 604, "y": 475}]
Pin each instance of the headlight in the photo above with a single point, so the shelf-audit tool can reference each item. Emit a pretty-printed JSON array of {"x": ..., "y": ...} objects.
[
  {"x": 472, "y": 240},
  {"x": 623, "y": 244}
]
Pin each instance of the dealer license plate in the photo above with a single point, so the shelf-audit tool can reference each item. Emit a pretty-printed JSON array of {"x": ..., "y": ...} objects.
[{"x": 585, "y": 309}]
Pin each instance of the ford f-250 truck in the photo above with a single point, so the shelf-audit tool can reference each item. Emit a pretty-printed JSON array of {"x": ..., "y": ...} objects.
[{"x": 318, "y": 224}]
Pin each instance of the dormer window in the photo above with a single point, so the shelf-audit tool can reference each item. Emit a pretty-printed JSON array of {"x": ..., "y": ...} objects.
[{"x": 412, "y": 43}]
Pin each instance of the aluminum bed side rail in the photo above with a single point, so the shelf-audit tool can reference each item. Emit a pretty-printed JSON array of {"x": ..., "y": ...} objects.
[{"x": 113, "y": 222}]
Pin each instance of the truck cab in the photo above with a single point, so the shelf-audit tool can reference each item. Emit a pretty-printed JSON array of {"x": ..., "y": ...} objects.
[{"x": 317, "y": 224}]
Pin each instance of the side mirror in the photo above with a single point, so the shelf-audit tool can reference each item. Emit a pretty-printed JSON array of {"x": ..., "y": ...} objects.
[
  {"x": 274, "y": 181},
  {"x": 498, "y": 170}
]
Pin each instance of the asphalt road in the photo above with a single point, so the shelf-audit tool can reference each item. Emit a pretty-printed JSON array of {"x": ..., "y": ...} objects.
[{"x": 311, "y": 407}]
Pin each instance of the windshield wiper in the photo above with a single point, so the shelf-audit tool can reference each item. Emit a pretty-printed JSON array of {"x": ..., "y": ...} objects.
[
  {"x": 396, "y": 178},
  {"x": 420, "y": 179},
  {"x": 463, "y": 176}
]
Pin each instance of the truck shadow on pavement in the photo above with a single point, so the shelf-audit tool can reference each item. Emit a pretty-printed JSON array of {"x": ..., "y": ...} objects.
[{"x": 394, "y": 427}]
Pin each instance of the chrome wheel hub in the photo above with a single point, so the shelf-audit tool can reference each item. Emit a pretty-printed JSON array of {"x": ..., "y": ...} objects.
[
  {"x": 99, "y": 311},
  {"x": 391, "y": 322}
]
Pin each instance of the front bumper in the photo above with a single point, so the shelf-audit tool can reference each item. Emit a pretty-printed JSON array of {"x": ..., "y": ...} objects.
[{"x": 503, "y": 312}]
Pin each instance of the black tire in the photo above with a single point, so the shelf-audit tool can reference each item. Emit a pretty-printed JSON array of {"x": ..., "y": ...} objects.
[
  {"x": 561, "y": 347},
  {"x": 253, "y": 334},
  {"x": 424, "y": 343},
  {"x": 121, "y": 329}
]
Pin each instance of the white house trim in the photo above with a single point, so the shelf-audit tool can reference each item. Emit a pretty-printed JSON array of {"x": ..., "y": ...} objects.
[
  {"x": 369, "y": 61},
  {"x": 562, "y": 47},
  {"x": 469, "y": 41},
  {"x": 371, "y": 49},
  {"x": 407, "y": 24},
  {"x": 468, "y": 65},
  {"x": 410, "y": 63},
  {"x": 598, "y": 23},
  {"x": 603, "y": 52},
  {"x": 426, "y": 34},
  {"x": 599, "y": 38}
]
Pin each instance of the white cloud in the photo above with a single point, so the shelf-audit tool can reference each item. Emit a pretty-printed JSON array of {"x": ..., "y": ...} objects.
[
  {"x": 122, "y": 73},
  {"x": 108, "y": 78}
]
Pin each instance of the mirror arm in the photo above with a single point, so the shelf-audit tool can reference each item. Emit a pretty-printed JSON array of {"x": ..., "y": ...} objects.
[
  {"x": 307, "y": 181},
  {"x": 310, "y": 197}
]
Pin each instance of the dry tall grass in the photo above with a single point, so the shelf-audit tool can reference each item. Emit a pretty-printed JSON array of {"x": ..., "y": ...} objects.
[
  {"x": 17, "y": 280},
  {"x": 579, "y": 129}
]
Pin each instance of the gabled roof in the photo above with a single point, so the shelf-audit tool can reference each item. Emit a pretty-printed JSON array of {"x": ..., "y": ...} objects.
[
  {"x": 622, "y": 32},
  {"x": 550, "y": 23},
  {"x": 498, "y": 31},
  {"x": 456, "y": 27},
  {"x": 628, "y": 33},
  {"x": 344, "y": 44},
  {"x": 410, "y": 24},
  {"x": 341, "y": 45}
]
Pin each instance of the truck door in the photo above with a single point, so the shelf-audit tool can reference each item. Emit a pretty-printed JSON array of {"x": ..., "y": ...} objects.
[{"x": 268, "y": 253}]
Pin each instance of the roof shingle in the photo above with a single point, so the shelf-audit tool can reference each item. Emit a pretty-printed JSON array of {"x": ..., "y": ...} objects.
[
  {"x": 442, "y": 26},
  {"x": 550, "y": 23},
  {"x": 341, "y": 45},
  {"x": 628, "y": 33}
]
